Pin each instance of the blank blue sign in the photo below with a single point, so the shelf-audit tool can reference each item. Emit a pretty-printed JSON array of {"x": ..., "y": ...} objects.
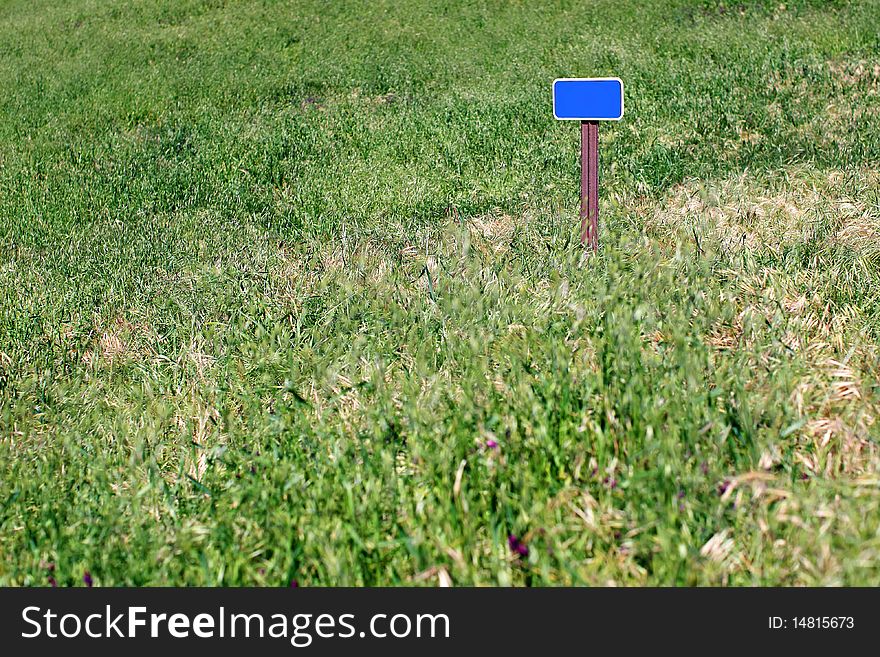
[{"x": 588, "y": 99}]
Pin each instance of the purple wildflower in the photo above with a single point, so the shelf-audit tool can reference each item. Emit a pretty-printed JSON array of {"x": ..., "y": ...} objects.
[
  {"x": 52, "y": 582},
  {"x": 517, "y": 546},
  {"x": 293, "y": 584},
  {"x": 611, "y": 482},
  {"x": 87, "y": 579},
  {"x": 491, "y": 444},
  {"x": 681, "y": 494},
  {"x": 723, "y": 487}
]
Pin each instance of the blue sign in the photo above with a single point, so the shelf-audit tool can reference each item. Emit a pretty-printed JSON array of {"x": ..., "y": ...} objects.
[{"x": 588, "y": 99}]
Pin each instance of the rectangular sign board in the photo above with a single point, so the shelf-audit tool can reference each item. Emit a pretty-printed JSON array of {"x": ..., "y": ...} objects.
[{"x": 588, "y": 99}]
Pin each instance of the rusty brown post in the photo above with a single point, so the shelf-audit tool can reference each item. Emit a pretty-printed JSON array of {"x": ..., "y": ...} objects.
[{"x": 590, "y": 184}]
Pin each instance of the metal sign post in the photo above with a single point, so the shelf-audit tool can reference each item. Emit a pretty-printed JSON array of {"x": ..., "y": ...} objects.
[
  {"x": 588, "y": 100},
  {"x": 590, "y": 184}
]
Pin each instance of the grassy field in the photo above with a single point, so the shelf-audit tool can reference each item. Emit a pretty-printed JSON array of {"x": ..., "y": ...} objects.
[{"x": 292, "y": 293}]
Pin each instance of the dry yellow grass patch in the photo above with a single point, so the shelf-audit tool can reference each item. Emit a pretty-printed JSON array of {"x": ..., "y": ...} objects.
[
  {"x": 838, "y": 209},
  {"x": 491, "y": 233},
  {"x": 842, "y": 416},
  {"x": 299, "y": 274},
  {"x": 724, "y": 336},
  {"x": 118, "y": 340},
  {"x": 801, "y": 206},
  {"x": 852, "y": 73}
]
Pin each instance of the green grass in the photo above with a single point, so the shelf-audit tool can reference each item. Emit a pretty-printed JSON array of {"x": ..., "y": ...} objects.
[{"x": 293, "y": 291}]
